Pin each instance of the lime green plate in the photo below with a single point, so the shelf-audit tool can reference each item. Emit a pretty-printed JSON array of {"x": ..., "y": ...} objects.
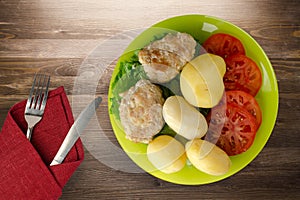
[{"x": 201, "y": 27}]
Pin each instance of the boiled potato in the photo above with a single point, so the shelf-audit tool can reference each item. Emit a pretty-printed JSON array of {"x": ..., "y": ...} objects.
[
  {"x": 183, "y": 118},
  {"x": 207, "y": 157},
  {"x": 166, "y": 154},
  {"x": 201, "y": 80},
  {"x": 219, "y": 62}
]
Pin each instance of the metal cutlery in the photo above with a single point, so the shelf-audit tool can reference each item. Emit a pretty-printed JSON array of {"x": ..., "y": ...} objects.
[
  {"x": 36, "y": 102},
  {"x": 75, "y": 131}
]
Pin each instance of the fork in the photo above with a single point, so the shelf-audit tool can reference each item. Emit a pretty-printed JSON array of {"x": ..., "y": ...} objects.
[{"x": 36, "y": 102}]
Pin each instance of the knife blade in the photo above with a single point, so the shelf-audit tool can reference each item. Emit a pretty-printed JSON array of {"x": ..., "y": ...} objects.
[{"x": 75, "y": 131}]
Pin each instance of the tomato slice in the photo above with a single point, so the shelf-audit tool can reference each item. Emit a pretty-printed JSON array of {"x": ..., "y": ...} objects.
[
  {"x": 232, "y": 128},
  {"x": 242, "y": 73},
  {"x": 247, "y": 101},
  {"x": 223, "y": 45}
]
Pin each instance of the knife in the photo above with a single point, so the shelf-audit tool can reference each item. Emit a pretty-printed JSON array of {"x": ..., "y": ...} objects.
[{"x": 75, "y": 131}]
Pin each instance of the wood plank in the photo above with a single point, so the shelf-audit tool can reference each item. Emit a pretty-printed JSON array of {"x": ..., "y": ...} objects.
[{"x": 272, "y": 38}]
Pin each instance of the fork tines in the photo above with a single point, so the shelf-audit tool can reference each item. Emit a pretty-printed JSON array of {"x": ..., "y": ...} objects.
[{"x": 38, "y": 93}]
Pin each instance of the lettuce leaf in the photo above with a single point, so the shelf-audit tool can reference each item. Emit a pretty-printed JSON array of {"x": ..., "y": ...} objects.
[{"x": 130, "y": 72}]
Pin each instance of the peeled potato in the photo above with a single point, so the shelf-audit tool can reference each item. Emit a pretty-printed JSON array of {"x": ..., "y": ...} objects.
[
  {"x": 166, "y": 154},
  {"x": 219, "y": 62},
  {"x": 207, "y": 157},
  {"x": 183, "y": 118},
  {"x": 201, "y": 80}
]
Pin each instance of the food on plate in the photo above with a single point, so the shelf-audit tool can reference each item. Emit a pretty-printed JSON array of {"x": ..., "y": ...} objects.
[
  {"x": 242, "y": 73},
  {"x": 232, "y": 128},
  {"x": 141, "y": 111},
  {"x": 207, "y": 157},
  {"x": 231, "y": 119},
  {"x": 201, "y": 80},
  {"x": 219, "y": 62},
  {"x": 163, "y": 59},
  {"x": 247, "y": 101},
  {"x": 183, "y": 118},
  {"x": 130, "y": 72},
  {"x": 223, "y": 45},
  {"x": 166, "y": 154}
]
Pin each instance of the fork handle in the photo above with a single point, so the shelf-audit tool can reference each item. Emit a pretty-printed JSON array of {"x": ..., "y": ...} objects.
[{"x": 29, "y": 133}]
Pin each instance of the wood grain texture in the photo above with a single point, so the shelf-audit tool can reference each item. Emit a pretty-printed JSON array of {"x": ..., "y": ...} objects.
[{"x": 56, "y": 37}]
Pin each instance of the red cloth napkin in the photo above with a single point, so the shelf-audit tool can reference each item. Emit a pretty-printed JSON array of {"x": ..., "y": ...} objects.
[{"x": 24, "y": 165}]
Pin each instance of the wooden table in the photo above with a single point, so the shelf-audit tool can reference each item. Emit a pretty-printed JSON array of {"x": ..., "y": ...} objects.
[{"x": 56, "y": 36}]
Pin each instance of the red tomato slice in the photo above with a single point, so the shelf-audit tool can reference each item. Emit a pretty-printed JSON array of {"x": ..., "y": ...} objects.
[
  {"x": 247, "y": 101},
  {"x": 232, "y": 128},
  {"x": 223, "y": 45},
  {"x": 242, "y": 73}
]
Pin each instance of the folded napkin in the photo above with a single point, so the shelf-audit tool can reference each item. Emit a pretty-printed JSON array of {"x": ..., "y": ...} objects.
[{"x": 24, "y": 165}]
